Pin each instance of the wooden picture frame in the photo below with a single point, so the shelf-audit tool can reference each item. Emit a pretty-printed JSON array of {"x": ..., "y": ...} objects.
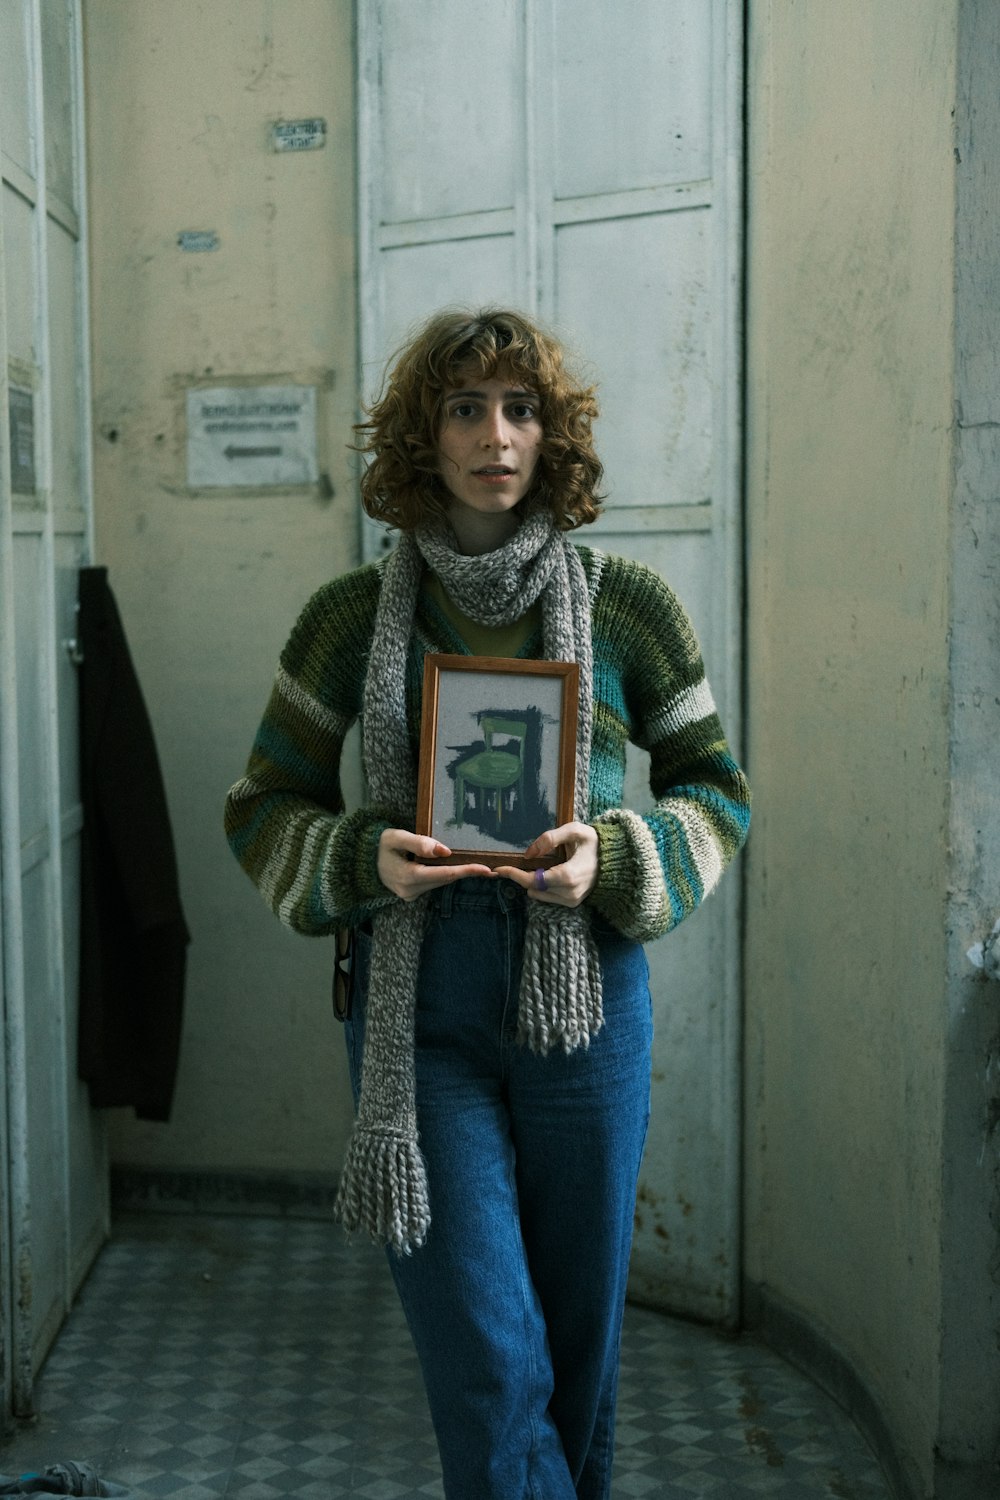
[{"x": 497, "y": 756}]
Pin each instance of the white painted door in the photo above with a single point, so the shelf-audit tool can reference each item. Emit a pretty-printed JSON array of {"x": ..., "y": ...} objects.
[
  {"x": 581, "y": 160},
  {"x": 53, "y": 1171}
]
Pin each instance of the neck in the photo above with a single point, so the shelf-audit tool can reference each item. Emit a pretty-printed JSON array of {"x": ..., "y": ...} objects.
[{"x": 479, "y": 533}]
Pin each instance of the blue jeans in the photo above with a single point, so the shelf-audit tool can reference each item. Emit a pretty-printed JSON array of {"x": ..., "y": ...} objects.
[{"x": 515, "y": 1300}]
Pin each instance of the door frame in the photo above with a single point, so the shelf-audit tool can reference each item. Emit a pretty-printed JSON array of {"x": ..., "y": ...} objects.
[{"x": 720, "y": 522}]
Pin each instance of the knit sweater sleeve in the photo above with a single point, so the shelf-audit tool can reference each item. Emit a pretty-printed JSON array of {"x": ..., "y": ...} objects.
[
  {"x": 657, "y": 867},
  {"x": 313, "y": 863}
]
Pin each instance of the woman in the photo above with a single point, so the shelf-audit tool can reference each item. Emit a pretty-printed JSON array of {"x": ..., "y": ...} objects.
[{"x": 500, "y": 1036}]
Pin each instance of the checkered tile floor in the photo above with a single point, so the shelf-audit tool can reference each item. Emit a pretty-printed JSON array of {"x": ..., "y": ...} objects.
[{"x": 224, "y": 1356}]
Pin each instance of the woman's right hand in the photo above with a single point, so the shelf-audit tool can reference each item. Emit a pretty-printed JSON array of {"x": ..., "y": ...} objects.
[{"x": 400, "y": 872}]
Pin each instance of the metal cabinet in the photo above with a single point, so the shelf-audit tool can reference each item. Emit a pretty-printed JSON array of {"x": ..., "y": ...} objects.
[{"x": 53, "y": 1167}]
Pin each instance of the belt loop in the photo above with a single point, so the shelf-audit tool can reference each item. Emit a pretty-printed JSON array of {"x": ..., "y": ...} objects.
[{"x": 445, "y": 897}]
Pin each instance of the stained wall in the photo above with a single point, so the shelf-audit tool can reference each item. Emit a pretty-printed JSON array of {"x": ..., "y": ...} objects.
[
  {"x": 851, "y": 224},
  {"x": 181, "y": 99}
]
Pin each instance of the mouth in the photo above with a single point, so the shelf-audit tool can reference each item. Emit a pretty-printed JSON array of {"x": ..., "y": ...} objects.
[{"x": 494, "y": 471}]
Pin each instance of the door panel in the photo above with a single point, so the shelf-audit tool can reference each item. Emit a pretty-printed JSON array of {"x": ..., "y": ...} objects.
[
  {"x": 655, "y": 383},
  {"x": 66, "y": 566},
  {"x": 64, "y": 345},
  {"x": 588, "y": 172},
  {"x": 43, "y": 1067},
  {"x": 21, "y": 275},
  {"x": 31, "y": 683},
  {"x": 685, "y": 1255},
  {"x": 57, "y": 94},
  {"x": 447, "y": 122},
  {"x": 421, "y": 278},
  {"x": 15, "y": 109},
  {"x": 631, "y": 106}
]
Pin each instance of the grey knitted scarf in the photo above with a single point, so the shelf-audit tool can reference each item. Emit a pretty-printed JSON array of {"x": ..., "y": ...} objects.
[{"x": 383, "y": 1186}]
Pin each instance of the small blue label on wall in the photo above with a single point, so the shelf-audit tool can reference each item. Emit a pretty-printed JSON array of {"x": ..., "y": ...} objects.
[{"x": 198, "y": 239}]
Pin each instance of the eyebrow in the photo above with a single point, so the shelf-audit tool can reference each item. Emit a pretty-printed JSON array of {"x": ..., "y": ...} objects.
[{"x": 481, "y": 395}]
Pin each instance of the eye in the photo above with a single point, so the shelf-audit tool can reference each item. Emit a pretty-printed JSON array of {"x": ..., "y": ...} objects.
[
  {"x": 462, "y": 409},
  {"x": 523, "y": 411}
]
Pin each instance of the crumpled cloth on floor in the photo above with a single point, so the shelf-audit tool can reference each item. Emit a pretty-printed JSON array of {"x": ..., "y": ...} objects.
[{"x": 61, "y": 1479}]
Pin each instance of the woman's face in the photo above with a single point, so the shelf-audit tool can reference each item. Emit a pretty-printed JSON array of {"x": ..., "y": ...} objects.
[{"x": 488, "y": 445}]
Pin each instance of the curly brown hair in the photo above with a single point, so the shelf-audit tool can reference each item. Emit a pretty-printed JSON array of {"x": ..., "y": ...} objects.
[{"x": 402, "y": 486}]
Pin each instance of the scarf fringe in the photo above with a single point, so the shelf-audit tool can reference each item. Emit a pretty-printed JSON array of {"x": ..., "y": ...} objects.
[
  {"x": 383, "y": 1189},
  {"x": 561, "y": 999}
]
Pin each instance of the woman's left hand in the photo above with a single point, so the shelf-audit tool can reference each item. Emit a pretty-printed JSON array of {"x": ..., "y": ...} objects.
[{"x": 571, "y": 882}]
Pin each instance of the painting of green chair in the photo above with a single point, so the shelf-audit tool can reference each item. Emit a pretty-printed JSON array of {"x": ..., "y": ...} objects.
[{"x": 492, "y": 774}]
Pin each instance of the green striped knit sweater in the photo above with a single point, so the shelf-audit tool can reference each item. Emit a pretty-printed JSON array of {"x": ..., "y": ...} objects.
[{"x": 315, "y": 863}]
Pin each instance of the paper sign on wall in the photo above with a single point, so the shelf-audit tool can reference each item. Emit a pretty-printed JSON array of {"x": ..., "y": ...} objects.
[
  {"x": 251, "y": 437},
  {"x": 298, "y": 135}
]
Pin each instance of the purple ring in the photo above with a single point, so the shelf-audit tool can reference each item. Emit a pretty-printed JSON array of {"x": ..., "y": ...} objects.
[{"x": 540, "y": 880}]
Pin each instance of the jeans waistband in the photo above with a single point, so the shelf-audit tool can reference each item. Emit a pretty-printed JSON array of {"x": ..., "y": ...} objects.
[{"x": 477, "y": 893}]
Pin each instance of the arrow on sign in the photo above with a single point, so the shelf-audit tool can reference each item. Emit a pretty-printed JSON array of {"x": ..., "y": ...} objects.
[{"x": 232, "y": 452}]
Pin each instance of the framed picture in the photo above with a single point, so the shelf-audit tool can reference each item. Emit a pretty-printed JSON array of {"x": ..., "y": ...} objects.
[{"x": 497, "y": 755}]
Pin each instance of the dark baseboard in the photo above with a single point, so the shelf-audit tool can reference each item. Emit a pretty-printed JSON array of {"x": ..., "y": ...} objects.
[
  {"x": 796, "y": 1339},
  {"x": 276, "y": 1195}
]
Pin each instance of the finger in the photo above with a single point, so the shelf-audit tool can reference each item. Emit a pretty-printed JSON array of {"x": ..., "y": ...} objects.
[
  {"x": 571, "y": 835},
  {"x": 442, "y": 874},
  {"x": 544, "y": 846},
  {"x": 545, "y": 889},
  {"x": 415, "y": 845},
  {"x": 419, "y": 878},
  {"x": 524, "y": 878},
  {"x": 555, "y": 840}
]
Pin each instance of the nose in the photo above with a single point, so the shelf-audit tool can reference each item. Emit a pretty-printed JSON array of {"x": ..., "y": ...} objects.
[{"x": 495, "y": 430}]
